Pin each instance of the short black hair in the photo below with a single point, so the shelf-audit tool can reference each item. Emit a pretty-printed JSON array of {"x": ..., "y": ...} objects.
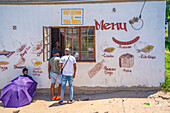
[
  {"x": 25, "y": 69},
  {"x": 55, "y": 51}
]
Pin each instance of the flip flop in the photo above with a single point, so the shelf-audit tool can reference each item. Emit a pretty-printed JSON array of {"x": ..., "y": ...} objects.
[
  {"x": 61, "y": 103},
  {"x": 72, "y": 101}
]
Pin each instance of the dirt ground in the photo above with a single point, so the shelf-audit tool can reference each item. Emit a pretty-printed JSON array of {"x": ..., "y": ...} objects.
[{"x": 112, "y": 102}]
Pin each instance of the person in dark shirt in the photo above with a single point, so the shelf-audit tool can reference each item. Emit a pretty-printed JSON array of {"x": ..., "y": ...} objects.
[
  {"x": 58, "y": 48},
  {"x": 25, "y": 72}
]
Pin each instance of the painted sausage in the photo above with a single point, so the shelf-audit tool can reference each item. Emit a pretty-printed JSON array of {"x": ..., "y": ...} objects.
[{"x": 126, "y": 42}]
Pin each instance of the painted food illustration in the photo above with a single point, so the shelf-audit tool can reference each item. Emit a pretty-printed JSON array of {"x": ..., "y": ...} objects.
[
  {"x": 146, "y": 49},
  {"x": 36, "y": 62},
  {"x": 21, "y": 61},
  {"x": 125, "y": 42},
  {"x": 37, "y": 47},
  {"x": 4, "y": 63},
  {"x": 126, "y": 60},
  {"x": 105, "y": 48},
  {"x": 95, "y": 69},
  {"x": 4, "y": 52},
  {"x": 21, "y": 48},
  {"x": 110, "y": 49},
  {"x": 143, "y": 47}
]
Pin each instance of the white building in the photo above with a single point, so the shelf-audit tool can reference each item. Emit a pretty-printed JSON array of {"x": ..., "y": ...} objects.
[{"x": 110, "y": 51}]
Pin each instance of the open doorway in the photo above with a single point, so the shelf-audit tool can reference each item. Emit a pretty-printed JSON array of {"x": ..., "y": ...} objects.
[
  {"x": 79, "y": 39},
  {"x": 57, "y": 40}
]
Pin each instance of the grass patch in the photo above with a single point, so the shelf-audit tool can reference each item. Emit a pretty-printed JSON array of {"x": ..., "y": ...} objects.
[
  {"x": 166, "y": 84},
  {"x": 167, "y": 44},
  {"x": 166, "y": 32}
]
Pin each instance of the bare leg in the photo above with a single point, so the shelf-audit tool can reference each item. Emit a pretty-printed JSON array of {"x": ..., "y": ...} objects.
[{"x": 52, "y": 89}]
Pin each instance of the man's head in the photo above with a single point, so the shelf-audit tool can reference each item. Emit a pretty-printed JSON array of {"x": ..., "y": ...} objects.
[
  {"x": 67, "y": 51},
  {"x": 25, "y": 71},
  {"x": 55, "y": 53},
  {"x": 57, "y": 44}
]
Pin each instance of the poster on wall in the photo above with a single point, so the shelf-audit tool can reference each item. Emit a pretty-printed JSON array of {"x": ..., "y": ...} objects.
[{"x": 72, "y": 16}]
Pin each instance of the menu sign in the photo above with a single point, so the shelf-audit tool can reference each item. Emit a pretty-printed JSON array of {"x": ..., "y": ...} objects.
[{"x": 72, "y": 16}]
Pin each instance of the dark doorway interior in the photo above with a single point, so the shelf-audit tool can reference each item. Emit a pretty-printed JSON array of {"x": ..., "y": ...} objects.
[{"x": 58, "y": 40}]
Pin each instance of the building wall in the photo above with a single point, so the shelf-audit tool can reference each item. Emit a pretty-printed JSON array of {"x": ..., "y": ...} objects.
[{"x": 139, "y": 68}]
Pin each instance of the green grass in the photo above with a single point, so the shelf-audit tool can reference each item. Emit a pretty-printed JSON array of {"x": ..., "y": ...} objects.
[
  {"x": 166, "y": 32},
  {"x": 166, "y": 85},
  {"x": 167, "y": 44}
]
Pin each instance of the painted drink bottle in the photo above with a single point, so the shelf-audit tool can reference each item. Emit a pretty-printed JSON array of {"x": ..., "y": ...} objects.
[{"x": 95, "y": 69}]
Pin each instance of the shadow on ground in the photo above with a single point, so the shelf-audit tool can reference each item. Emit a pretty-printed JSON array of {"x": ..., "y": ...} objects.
[
  {"x": 1, "y": 105},
  {"x": 101, "y": 95},
  {"x": 89, "y": 95}
]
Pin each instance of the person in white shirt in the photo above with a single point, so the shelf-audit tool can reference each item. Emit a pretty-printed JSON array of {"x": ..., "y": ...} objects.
[{"x": 68, "y": 63}]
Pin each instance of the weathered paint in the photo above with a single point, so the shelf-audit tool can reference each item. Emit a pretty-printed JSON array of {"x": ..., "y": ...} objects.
[{"x": 148, "y": 68}]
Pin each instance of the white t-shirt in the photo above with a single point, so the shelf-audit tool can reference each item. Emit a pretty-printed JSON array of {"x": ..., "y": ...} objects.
[{"x": 68, "y": 69}]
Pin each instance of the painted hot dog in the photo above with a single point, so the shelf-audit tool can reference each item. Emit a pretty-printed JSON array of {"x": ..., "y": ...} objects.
[
  {"x": 4, "y": 63},
  {"x": 126, "y": 42}
]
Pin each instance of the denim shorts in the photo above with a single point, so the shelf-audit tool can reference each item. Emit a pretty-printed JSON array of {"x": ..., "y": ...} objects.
[{"x": 55, "y": 77}]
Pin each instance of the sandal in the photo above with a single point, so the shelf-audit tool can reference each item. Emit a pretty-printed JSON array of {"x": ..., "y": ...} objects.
[
  {"x": 61, "y": 103},
  {"x": 71, "y": 101}
]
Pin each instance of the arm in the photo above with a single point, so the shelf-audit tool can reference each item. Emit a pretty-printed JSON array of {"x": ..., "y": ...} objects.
[
  {"x": 74, "y": 65},
  {"x": 49, "y": 68},
  {"x": 60, "y": 65}
]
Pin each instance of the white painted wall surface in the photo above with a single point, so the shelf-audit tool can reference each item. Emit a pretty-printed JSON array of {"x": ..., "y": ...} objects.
[{"x": 30, "y": 20}]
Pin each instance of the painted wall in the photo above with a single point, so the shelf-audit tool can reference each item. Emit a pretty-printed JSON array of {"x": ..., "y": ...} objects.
[{"x": 138, "y": 63}]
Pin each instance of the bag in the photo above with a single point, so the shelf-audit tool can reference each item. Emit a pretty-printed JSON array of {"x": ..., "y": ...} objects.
[
  {"x": 64, "y": 65},
  {"x": 61, "y": 70}
]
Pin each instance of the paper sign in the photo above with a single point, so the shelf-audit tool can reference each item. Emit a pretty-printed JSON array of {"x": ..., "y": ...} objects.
[{"x": 72, "y": 16}]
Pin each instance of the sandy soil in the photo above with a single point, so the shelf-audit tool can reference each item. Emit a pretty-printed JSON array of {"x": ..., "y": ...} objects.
[{"x": 112, "y": 102}]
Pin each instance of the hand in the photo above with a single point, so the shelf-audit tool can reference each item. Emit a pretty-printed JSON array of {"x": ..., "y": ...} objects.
[
  {"x": 74, "y": 76},
  {"x": 49, "y": 77}
]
